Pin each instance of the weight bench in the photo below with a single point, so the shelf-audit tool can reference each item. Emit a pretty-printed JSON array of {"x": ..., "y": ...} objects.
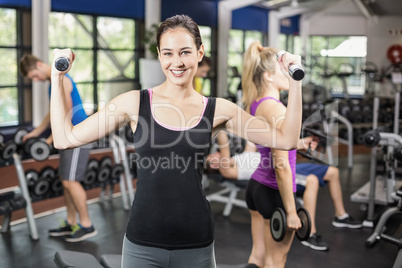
[
  {"x": 228, "y": 195},
  {"x": 74, "y": 259}
]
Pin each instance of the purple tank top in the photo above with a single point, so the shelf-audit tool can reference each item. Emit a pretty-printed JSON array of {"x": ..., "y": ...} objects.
[{"x": 265, "y": 173}]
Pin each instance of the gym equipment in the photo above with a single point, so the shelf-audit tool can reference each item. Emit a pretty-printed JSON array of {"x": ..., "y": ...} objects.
[
  {"x": 68, "y": 259},
  {"x": 19, "y": 135},
  {"x": 39, "y": 183},
  {"x": 37, "y": 148},
  {"x": 278, "y": 224},
  {"x": 295, "y": 71},
  {"x": 380, "y": 190},
  {"x": 378, "y": 233},
  {"x": 115, "y": 173},
  {"x": 104, "y": 170},
  {"x": 62, "y": 64},
  {"x": 372, "y": 193},
  {"x": 231, "y": 188},
  {"x": 126, "y": 180},
  {"x": 9, "y": 202},
  {"x": 7, "y": 149},
  {"x": 91, "y": 174}
]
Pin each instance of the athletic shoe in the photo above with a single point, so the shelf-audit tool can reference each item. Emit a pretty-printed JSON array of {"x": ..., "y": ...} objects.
[
  {"x": 63, "y": 229},
  {"x": 80, "y": 233},
  {"x": 315, "y": 242},
  {"x": 347, "y": 222}
]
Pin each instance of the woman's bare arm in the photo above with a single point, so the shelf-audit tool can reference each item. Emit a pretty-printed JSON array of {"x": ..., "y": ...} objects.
[
  {"x": 117, "y": 112},
  {"x": 235, "y": 120}
]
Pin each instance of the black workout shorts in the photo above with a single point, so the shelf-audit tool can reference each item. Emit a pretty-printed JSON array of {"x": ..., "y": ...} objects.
[{"x": 262, "y": 198}]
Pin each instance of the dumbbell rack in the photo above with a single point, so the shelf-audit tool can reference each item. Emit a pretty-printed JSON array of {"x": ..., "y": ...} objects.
[
  {"x": 119, "y": 154},
  {"x": 25, "y": 193},
  {"x": 372, "y": 193}
]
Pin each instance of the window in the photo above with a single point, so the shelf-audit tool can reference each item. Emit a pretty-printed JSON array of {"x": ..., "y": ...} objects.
[
  {"x": 239, "y": 41},
  {"x": 206, "y": 36},
  {"x": 332, "y": 56},
  {"x": 105, "y": 53},
  {"x": 9, "y": 51}
]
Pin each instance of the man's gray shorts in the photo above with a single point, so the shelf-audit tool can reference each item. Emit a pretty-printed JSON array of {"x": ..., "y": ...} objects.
[{"x": 73, "y": 163}]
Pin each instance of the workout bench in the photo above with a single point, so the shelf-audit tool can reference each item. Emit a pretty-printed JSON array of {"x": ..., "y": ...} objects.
[
  {"x": 73, "y": 259},
  {"x": 228, "y": 195}
]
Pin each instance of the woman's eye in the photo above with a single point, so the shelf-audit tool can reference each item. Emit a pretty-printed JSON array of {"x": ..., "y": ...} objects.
[
  {"x": 167, "y": 53},
  {"x": 185, "y": 52}
]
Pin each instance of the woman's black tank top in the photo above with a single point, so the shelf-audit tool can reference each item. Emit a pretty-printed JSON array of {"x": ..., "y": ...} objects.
[{"x": 170, "y": 209}]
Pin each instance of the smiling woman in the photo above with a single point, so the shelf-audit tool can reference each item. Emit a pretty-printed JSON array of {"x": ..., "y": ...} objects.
[{"x": 172, "y": 126}]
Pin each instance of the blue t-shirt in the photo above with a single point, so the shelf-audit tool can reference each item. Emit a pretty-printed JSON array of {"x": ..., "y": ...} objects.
[{"x": 79, "y": 114}]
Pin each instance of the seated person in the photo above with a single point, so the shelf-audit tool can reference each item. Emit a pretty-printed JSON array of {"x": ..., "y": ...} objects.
[
  {"x": 239, "y": 167},
  {"x": 309, "y": 177}
]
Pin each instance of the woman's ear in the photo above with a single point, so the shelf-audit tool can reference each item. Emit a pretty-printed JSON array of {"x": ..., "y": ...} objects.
[
  {"x": 200, "y": 53},
  {"x": 268, "y": 77}
]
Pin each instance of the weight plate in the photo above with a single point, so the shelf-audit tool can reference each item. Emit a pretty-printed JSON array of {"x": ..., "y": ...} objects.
[
  {"x": 31, "y": 177},
  {"x": 9, "y": 149},
  {"x": 90, "y": 177},
  {"x": 41, "y": 188},
  {"x": 19, "y": 135},
  {"x": 39, "y": 150},
  {"x": 304, "y": 232},
  {"x": 93, "y": 164},
  {"x": 278, "y": 225},
  {"x": 117, "y": 170},
  {"x": 1, "y": 138},
  {"x": 103, "y": 174},
  {"x": 106, "y": 162},
  {"x": 56, "y": 186},
  {"x": 48, "y": 173},
  {"x": 28, "y": 144}
]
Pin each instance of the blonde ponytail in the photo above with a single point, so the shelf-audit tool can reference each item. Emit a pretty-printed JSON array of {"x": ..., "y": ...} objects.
[{"x": 256, "y": 61}]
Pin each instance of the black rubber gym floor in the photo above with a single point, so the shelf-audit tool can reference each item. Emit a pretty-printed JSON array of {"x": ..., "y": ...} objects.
[{"x": 233, "y": 239}]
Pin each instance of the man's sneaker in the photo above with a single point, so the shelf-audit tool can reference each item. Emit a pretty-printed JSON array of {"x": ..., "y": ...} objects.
[
  {"x": 63, "y": 229},
  {"x": 348, "y": 222},
  {"x": 315, "y": 242},
  {"x": 80, "y": 233}
]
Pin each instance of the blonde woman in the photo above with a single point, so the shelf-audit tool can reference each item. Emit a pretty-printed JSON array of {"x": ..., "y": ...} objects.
[{"x": 272, "y": 185}]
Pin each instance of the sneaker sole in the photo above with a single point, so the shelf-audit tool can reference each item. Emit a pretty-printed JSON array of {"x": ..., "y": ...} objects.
[
  {"x": 78, "y": 239},
  {"x": 314, "y": 247},
  {"x": 344, "y": 225},
  {"x": 59, "y": 234}
]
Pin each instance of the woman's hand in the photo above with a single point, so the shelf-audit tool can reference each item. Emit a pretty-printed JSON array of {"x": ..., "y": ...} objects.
[
  {"x": 308, "y": 142},
  {"x": 285, "y": 60},
  {"x": 58, "y": 53},
  {"x": 293, "y": 221}
]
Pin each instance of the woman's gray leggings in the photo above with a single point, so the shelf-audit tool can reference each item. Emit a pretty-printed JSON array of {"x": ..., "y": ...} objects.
[{"x": 146, "y": 257}]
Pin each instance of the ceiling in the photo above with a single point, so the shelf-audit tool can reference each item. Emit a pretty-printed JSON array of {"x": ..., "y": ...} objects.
[{"x": 375, "y": 7}]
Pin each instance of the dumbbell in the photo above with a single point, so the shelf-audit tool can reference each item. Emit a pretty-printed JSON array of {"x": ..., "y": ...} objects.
[
  {"x": 7, "y": 149},
  {"x": 50, "y": 175},
  {"x": 37, "y": 148},
  {"x": 91, "y": 174},
  {"x": 294, "y": 70},
  {"x": 115, "y": 173},
  {"x": 104, "y": 169},
  {"x": 62, "y": 64},
  {"x": 278, "y": 224},
  {"x": 38, "y": 185}
]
